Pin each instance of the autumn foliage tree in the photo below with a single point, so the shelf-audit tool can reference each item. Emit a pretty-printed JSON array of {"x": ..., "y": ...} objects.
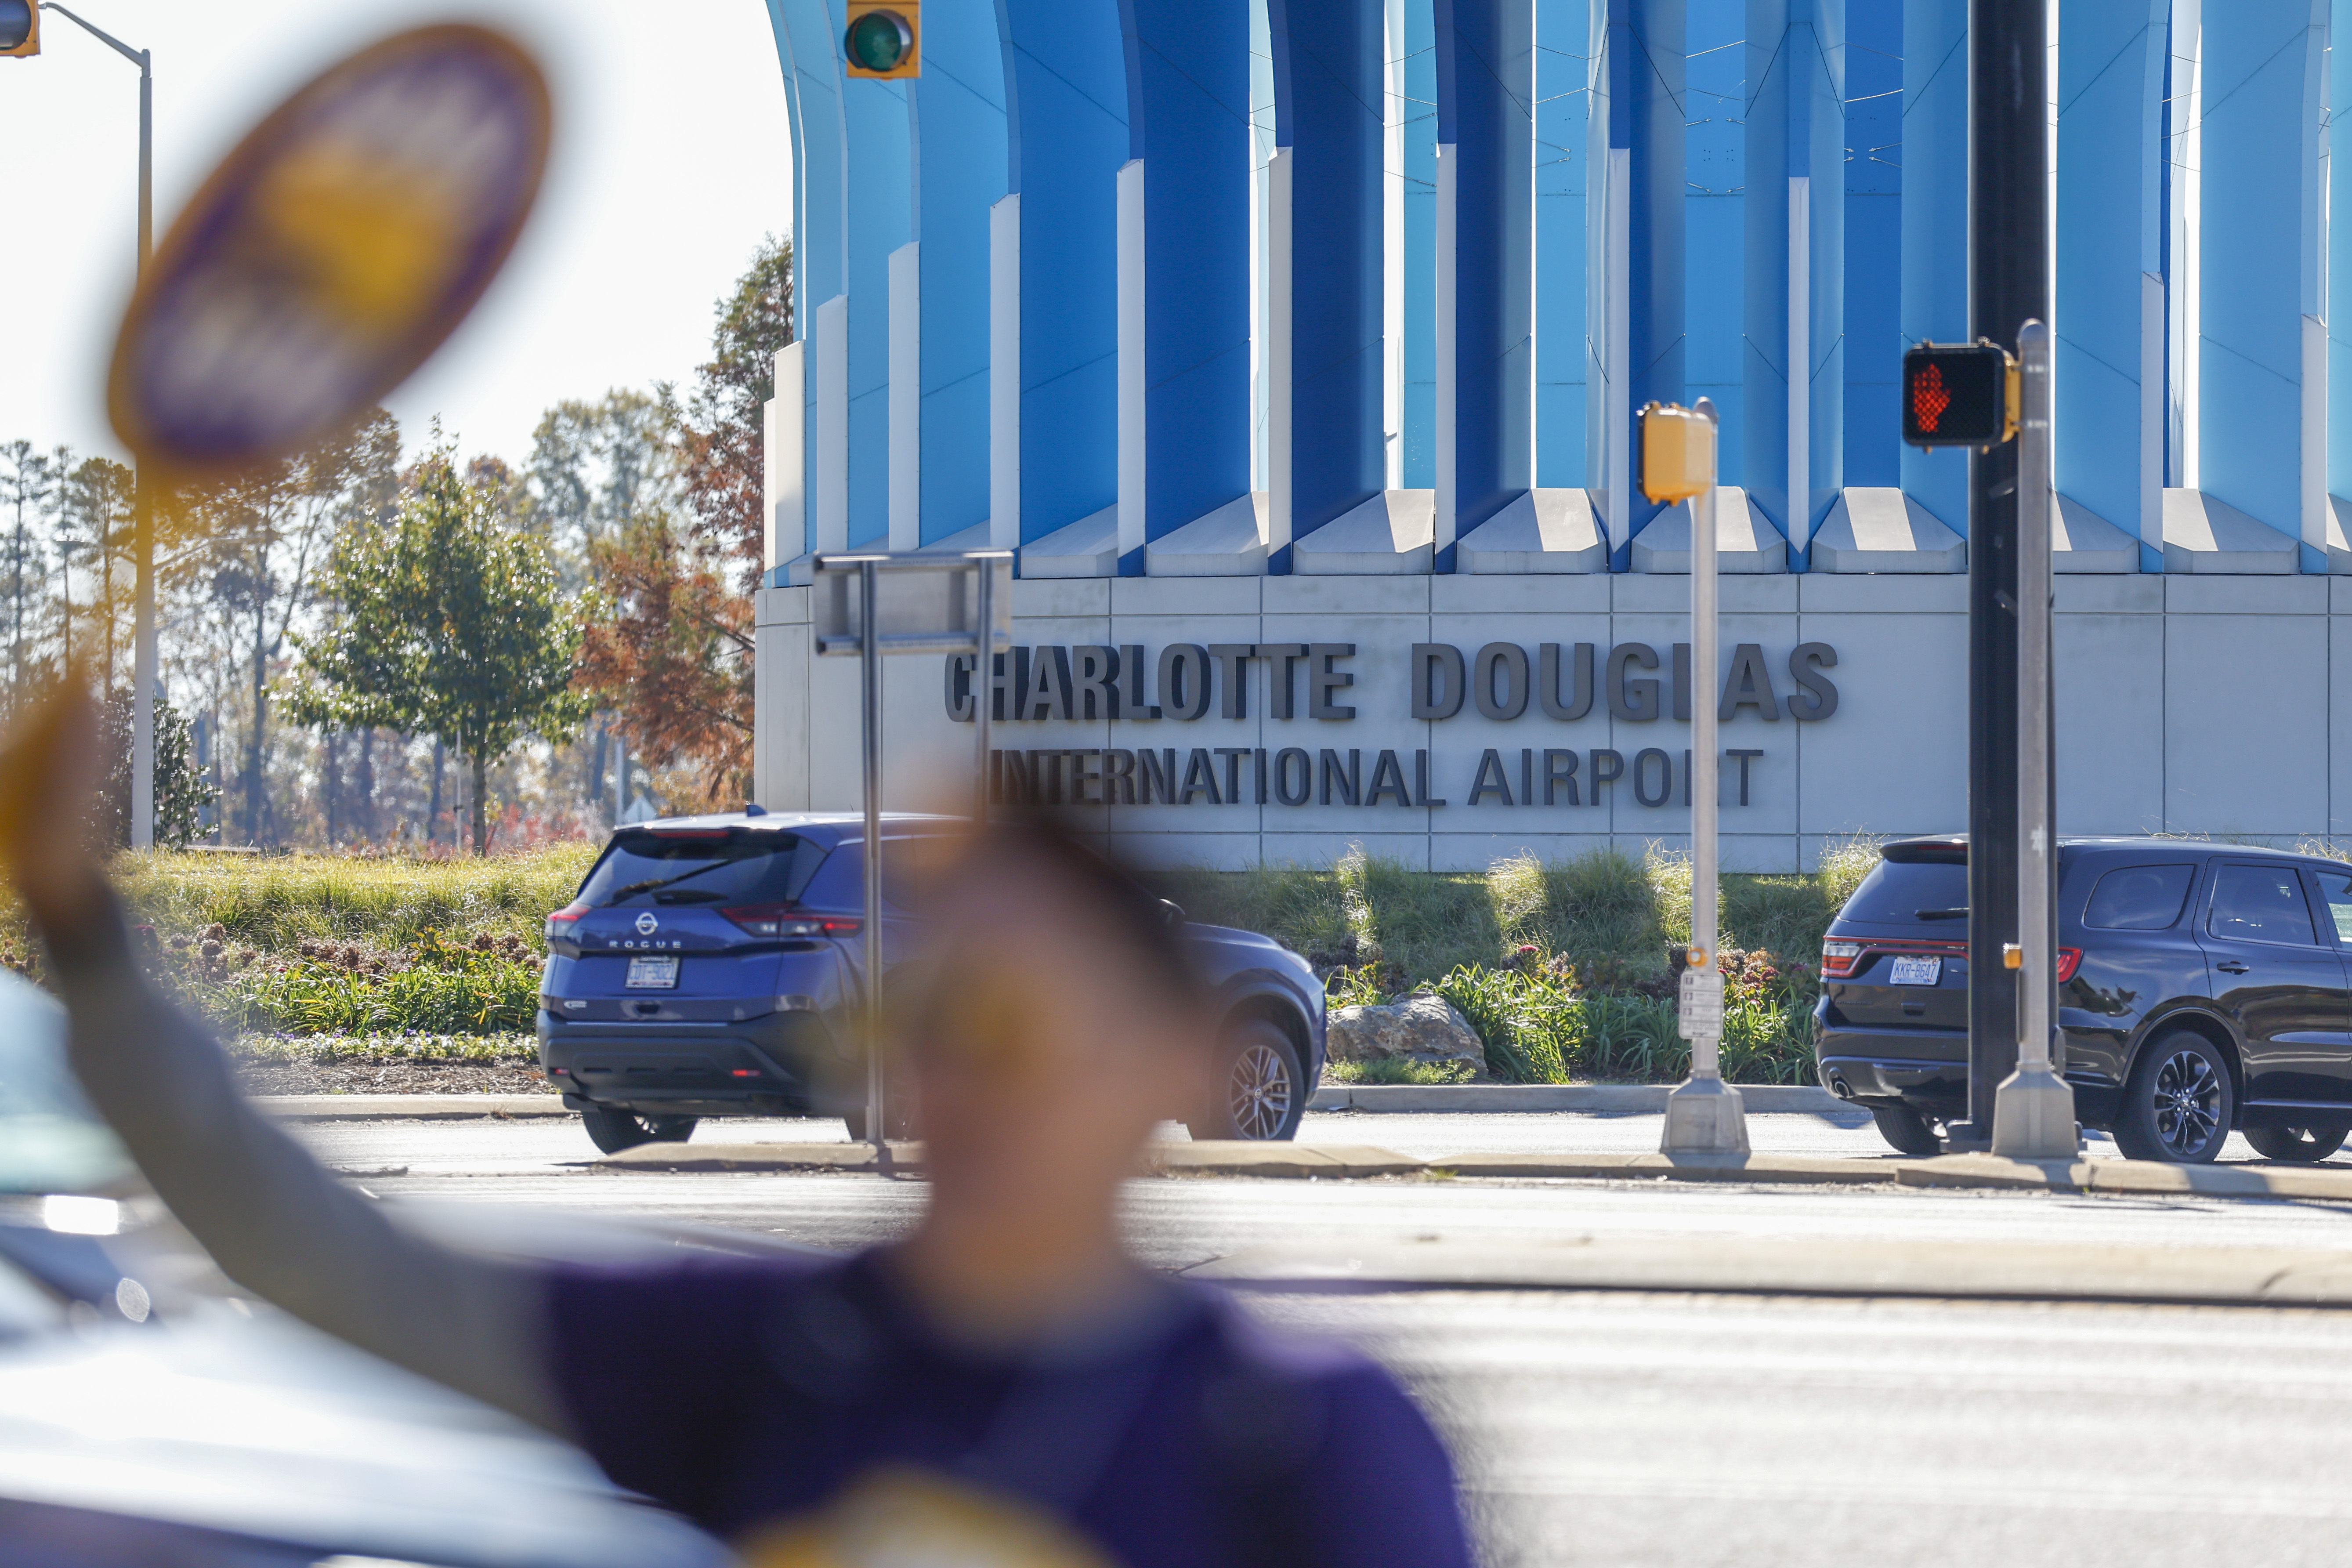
[{"x": 672, "y": 652}]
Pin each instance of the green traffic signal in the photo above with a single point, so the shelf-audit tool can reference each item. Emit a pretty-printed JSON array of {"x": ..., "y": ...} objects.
[{"x": 879, "y": 41}]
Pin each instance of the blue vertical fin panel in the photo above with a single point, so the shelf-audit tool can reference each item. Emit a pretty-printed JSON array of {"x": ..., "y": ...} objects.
[
  {"x": 1935, "y": 306},
  {"x": 2260, "y": 140},
  {"x": 1640, "y": 77},
  {"x": 1795, "y": 411},
  {"x": 1563, "y": 96},
  {"x": 1328, "y": 86},
  {"x": 958, "y": 115},
  {"x": 1874, "y": 242},
  {"x": 2109, "y": 238},
  {"x": 805, "y": 47},
  {"x": 1486, "y": 51},
  {"x": 1187, "y": 121},
  {"x": 851, "y": 229},
  {"x": 1714, "y": 249},
  {"x": 2339, "y": 257},
  {"x": 1066, "y": 135},
  {"x": 1418, "y": 114}
]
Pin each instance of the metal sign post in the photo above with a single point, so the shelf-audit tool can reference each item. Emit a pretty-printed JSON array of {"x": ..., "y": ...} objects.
[
  {"x": 873, "y": 603},
  {"x": 1678, "y": 463},
  {"x": 2033, "y": 1109}
]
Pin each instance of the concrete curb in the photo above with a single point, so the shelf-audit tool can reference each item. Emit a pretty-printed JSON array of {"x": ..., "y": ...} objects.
[
  {"x": 1632, "y": 1098},
  {"x": 2131, "y": 1178},
  {"x": 1458, "y": 1098},
  {"x": 409, "y": 1107},
  {"x": 2016, "y": 1270}
]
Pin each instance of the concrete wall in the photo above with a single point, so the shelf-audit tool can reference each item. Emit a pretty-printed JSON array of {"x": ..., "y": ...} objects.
[{"x": 2186, "y": 704}]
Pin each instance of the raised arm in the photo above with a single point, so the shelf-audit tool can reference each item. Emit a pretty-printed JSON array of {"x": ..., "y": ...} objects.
[{"x": 271, "y": 1216}]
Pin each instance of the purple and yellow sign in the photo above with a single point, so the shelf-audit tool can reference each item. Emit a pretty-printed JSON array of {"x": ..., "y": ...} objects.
[{"x": 332, "y": 252}]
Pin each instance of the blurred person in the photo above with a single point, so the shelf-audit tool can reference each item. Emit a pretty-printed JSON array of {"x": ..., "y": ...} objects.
[{"x": 1005, "y": 1385}]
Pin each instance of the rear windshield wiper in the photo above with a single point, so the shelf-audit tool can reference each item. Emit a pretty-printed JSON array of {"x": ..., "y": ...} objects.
[
  {"x": 650, "y": 883},
  {"x": 1959, "y": 914}
]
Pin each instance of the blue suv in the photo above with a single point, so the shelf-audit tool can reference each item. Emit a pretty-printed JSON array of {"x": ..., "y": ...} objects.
[
  {"x": 2201, "y": 987},
  {"x": 712, "y": 966}
]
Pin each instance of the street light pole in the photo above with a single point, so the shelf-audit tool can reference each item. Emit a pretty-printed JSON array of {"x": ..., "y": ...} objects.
[{"x": 143, "y": 642}]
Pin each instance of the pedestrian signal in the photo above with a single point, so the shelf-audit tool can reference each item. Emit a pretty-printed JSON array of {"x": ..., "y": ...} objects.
[
  {"x": 20, "y": 29},
  {"x": 1958, "y": 394},
  {"x": 884, "y": 39}
]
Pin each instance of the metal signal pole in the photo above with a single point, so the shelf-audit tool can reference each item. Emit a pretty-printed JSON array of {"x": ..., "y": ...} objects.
[
  {"x": 142, "y": 640},
  {"x": 2008, "y": 285}
]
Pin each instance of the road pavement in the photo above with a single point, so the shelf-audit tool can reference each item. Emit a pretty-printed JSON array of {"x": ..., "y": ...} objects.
[{"x": 1700, "y": 1429}]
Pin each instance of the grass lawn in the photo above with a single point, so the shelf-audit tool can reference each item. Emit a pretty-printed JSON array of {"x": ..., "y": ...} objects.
[{"x": 1561, "y": 967}]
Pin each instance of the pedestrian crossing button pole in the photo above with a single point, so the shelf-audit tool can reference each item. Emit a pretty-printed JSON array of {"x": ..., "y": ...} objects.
[
  {"x": 2033, "y": 1108},
  {"x": 1703, "y": 1115}
]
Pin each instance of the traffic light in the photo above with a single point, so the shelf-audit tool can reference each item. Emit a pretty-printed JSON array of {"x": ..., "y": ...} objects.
[
  {"x": 20, "y": 29},
  {"x": 884, "y": 39},
  {"x": 1677, "y": 452},
  {"x": 1958, "y": 394}
]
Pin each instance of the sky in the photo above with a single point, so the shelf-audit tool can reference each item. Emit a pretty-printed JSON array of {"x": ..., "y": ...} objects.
[{"x": 671, "y": 159}]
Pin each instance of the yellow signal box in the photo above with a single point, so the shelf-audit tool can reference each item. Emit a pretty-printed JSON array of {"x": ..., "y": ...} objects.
[
  {"x": 20, "y": 28},
  {"x": 1677, "y": 452},
  {"x": 884, "y": 39}
]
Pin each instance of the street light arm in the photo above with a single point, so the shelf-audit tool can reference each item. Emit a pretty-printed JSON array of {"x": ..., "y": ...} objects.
[{"x": 136, "y": 57}]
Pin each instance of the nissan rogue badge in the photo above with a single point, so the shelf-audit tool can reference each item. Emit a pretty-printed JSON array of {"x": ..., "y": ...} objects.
[{"x": 647, "y": 924}]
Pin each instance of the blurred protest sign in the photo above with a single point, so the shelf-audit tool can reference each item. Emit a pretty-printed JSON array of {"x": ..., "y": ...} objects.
[{"x": 332, "y": 252}]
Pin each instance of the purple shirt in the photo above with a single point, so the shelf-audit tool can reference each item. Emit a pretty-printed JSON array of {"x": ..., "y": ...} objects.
[{"x": 746, "y": 1393}]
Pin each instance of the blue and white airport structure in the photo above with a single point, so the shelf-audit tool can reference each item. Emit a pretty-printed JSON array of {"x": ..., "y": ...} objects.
[{"x": 1295, "y": 346}]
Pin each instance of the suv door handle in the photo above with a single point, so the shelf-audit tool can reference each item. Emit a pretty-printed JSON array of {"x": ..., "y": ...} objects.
[{"x": 2231, "y": 966}]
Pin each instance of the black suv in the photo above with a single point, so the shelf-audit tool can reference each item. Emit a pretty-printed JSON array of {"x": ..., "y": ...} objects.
[
  {"x": 2200, "y": 987},
  {"x": 711, "y": 965}
]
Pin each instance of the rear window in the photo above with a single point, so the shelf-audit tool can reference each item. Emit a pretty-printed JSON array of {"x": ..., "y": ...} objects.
[
  {"x": 1912, "y": 892},
  {"x": 2140, "y": 897},
  {"x": 730, "y": 868}
]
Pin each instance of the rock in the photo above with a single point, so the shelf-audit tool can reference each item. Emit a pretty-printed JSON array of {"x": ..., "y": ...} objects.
[{"x": 1417, "y": 1029}]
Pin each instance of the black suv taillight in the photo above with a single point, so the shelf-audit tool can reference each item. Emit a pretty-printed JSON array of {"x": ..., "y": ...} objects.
[{"x": 784, "y": 921}]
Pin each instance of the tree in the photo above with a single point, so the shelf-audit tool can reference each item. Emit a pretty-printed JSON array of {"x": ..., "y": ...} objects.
[
  {"x": 724, "y": 448},
  {"x": 27, "y": 484},
  {"x": 182, "y": 791},
  {"x": 673, "y": 655},
  {"x": 449, "y": 623}
]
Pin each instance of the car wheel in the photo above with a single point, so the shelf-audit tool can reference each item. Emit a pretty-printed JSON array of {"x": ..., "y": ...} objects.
[
  {"x": 614, "y": 1131},
  {"x": 1907, "y": 1129},
  {"x": 2304, "y": 1145},
  {"x": 1259, "y": 1091},
  {"x": 2177, "y": 1106}
]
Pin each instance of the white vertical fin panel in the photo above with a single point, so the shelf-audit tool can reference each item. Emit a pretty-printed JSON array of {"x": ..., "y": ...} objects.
[
  {"x": 1800, "y": 362},
  {"x": 1278, "y": 374},
  {"x": 784, "y": 472},
  {"x": 907, "y": 397},
  {"x": 1131, "y": 381},
  {"x": 1004, "y": 372},
  {"x": 1448, "y": 471},
  {"x": 829, "y": 463}
]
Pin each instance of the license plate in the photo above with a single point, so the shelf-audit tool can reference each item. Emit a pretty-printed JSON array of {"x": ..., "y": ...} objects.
[
  {"x": 653, "y": 974},
  {"x": 1908, "y": 971}
]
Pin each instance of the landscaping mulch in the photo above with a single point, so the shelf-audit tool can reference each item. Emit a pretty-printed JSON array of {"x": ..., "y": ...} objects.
[{"x": 392, "y": 1078}]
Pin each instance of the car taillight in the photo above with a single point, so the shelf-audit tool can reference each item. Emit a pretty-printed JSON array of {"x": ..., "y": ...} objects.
[
  {"x": 1838, "y": 959},
  {"x": 2070, "y": 959},
  {"x": 783, "y": 920},
  {"x": 561, "y": 922}
]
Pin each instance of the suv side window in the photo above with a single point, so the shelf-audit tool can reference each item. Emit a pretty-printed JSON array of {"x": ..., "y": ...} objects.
[
  {"x": 2140, "y": 897},
  {"x": 2261, "y": 903},
  {"x": 2335, "y": 894}
]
